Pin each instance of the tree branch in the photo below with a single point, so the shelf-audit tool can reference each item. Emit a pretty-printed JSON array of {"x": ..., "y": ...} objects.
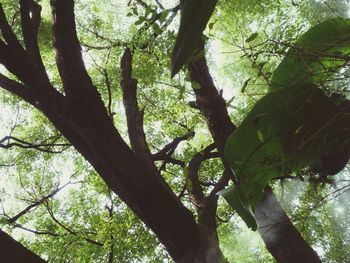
[
  {"x": 12, "y": 251},
  {"x": 170, "y": 148},
  {"x": 7, "y": 32},
  {"x": 76, "y": 80},
  {"x": 134, "y": 115},
  {"x": 17, "y": 88},
  {"x": 18, "y": 62},
  {"x": 30, "y": 22},
  {"x": 193, "y": 172},
  {"x": 72, "y": 232},
  {"x": 210, "y": 102},
  {"x": 42, "y": 200},
  {"x": 44, "y": 147},
  {"x": 36, "y": 232}
]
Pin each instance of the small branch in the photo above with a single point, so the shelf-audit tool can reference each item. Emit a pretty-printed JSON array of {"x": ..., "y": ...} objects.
[
  {"x": 170, "y": 148},
  {"x": 142, "y": 3},
  {"x": 44, "y": 147},
  {"x": 36, "y": 232},
  {"x": 74, "y": 233},
  {"x": 36, "y": 204},
  {"x": 111, "y": 236},
  {"x": 166, "y": 153},
  {"x": 223, "y": 182},
  {"x": 108, "y": 85},
  {"x": 168, "y": 159},
  {"x": 159, "y": 4},
  {"x": 193, "y": 172}
]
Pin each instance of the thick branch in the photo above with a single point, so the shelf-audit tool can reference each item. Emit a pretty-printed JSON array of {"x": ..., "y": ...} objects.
[
  {"x": 7, "y": 32},
  {"x": 12, "y": 251},
  {"x": 193, "y": 172},
  {"x": 275, "y": 228},
  {"x": 212, "y": 105},
  {"x": 17, "y": 89},
  {"x": 21, "y": 64},
  {"x": 68, "y": 51},
  {"x": 134, "y": 115},
  {"x": 30, "y": 22},
  {"x": 210, "y": 102}
]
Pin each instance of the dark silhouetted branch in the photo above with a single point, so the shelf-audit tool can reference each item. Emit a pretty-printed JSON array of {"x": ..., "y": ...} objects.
[
  {"x": 12, "y": 251},
  {"x": 30, "y": 22},
  {"x": 193, "y": 172},
  {"x": 76, "y": 80},
  {"x": 134, "y": 116},
  {"x": 41, "y": 201},
  {"x": 43, "y": 147}
]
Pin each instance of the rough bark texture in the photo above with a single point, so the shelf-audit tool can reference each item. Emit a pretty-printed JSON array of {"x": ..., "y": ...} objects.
[
  {"x": 210, "y": 102},
  {"x": 12, "y": 251}
]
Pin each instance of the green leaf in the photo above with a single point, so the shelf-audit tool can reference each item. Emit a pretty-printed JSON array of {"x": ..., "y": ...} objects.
[
  {"x": 315, "y": 57},
  {"x": 156, "y": 29},
  {"x": 232, "y": 197},
  {"x": 134, "y": 11},
  {"x": 295, "y": 124},
  {"x": 163, "y": 16},
  {"x": 194, "y": 18},
  {"x": 252, "y": 37},
  {"x": 245, "y": 84},
  {"x": 260, "y": 135}
]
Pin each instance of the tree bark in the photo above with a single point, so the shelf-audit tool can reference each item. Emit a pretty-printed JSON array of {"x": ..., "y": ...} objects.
[
  {"x": 12, "y": 251},
  {"x": 212, "y": 105},
  {"x": 276, "y": 228}
]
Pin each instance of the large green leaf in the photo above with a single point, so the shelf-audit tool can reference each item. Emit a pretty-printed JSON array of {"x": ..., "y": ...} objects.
[
  {"x": 318, "y": 53},
  {"x": 295, "y": 124},
  {"x": 194, "y": 18}
]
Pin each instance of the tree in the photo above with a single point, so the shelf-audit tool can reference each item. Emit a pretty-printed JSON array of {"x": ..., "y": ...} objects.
[{"x": 82, "y": 113}]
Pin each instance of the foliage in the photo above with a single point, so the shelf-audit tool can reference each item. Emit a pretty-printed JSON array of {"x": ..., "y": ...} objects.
[{"x": 294, "y": 124}]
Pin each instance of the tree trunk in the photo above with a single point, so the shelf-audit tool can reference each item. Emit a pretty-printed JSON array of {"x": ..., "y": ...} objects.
[
  {"x": 280, "y": 236},
  {"x": 208, "y": 226},
  {"x": 212, "y": 105},
  {"x": 12, "y": 251}
]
